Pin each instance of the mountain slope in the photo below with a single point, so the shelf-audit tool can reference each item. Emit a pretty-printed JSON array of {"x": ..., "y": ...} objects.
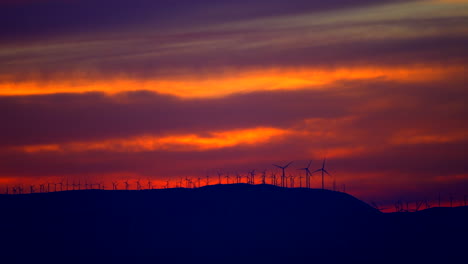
[{"x": 238, "y": 220}]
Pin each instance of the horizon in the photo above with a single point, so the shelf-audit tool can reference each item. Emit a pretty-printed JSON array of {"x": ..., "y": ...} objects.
[
  {"x": 398, "y": 206},
  {"x": 111, "y": 91}
]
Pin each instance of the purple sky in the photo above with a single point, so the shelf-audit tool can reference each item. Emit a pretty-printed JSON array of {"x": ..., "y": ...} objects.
[{"x": 113, "y": 90}]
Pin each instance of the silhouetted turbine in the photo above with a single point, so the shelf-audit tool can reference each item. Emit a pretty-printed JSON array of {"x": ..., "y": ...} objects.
[
  {"x": 252, "y": 177},
  {"x": 219, "y": 176},
  {"x": 323, "y": 170},
  {"x": 284, "y": 175},
  {"x": 378, "y": 207},
  {"x": 308, "y": 173},
  {"x": 150, "y": 185},
  {"x": 207, "y": 179},
  {"x": 264, "y": 176}
]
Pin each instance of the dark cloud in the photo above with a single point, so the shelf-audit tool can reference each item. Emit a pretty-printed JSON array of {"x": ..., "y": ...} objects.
[
  {"x": 379, "y": 108},
  {"x": 93, "y": 116},
  {"x": 144, "y": 39},
  {"x": 152, "y": 55},
  {"x": 25, "y": 19}
]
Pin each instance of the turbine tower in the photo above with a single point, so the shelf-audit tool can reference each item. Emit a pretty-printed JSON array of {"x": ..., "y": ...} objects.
[
  {"x": 264, "y": 176},
  {"x": 273, "y": 178},
  {"x": 323, "y": 170},
  {"x": 150, "y": 185},
  {"x": 308, "y": 173},
  {"x": 283, "y": 176},
  {"x": 252, "y": 177},
  {"x": 207, "y": 179},
  {"x": 219, "y": 176}
]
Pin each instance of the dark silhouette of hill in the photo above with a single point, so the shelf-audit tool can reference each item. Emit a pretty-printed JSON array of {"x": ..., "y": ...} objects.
[{"x": 248, "y": 223}]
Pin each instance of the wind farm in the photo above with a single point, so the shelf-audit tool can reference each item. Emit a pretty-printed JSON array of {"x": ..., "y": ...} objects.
[{"x": 241, "y": 217}]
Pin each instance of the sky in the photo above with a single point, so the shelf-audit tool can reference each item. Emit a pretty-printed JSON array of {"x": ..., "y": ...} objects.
[{"x": 101, "y": 91}]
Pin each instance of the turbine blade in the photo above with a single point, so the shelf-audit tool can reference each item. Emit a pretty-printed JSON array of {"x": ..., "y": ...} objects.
[
  {"x": 277, "y": 166},
  {"x": 316, "y": 170},
  {"x": 323, "y": 164},
  {"x": 326, "y": 172},
  {"x": 288, "y": 164},
  {"x": 310, "y": 162}
]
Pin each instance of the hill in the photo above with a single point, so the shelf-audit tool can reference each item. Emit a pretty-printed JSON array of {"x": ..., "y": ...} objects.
[{"x": 254, "y": 223}]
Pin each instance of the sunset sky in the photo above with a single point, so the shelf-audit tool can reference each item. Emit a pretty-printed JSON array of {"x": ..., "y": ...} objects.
[{"x": 114, "y": 90}]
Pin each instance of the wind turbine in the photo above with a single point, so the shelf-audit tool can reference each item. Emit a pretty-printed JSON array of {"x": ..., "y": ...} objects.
[
  {"x": 308, "y": 173},
  {"x": 191, "y": 184},
  {"x": 291, "y": 180},
  {"x": 247, "y": 178},
  {"x": 219, "y": 176},
  {"x": 126, "y": 185},
  {"x": 238, "y": 178},
  {"x": 376, "y": 206},
  {"x": 199, "y": 181},
  {"x": 252, "y": 177},
  {"x": 264, "y": 176},
  {"x": 323, "y": 170},
  {"x": 138, "y": 185},
  {"x": 283, "y": 176},
  {"x": 150, "y": 185},
  {"x": 428, "y": 204},
  {"x": 181, "y": 183},
  {"x": 207, "y": 179},
  {"x": 273, "y": 178},
  {"x": 61, "y": 184},
  {"x": 418, "y": 205}
]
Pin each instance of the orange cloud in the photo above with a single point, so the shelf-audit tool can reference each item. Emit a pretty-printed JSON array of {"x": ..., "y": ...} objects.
[
  {"x": 230, "y": 81},
  {"x": 187, "y": 142},
  {"x": 422, "y": 137}
]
